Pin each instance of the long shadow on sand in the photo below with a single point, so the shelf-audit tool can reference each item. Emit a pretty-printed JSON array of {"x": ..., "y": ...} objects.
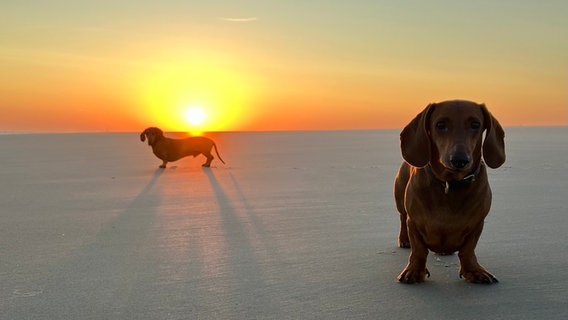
[
  {"x": 251, "y": 279},
  {"x": 101, "y": 277}
]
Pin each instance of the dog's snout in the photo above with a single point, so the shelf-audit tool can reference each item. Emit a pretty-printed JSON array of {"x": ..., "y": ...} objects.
[{"x": 460, "y": 160}]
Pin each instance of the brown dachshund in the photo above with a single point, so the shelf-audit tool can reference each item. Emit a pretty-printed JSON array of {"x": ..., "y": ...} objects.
[
  {"x": 441, "y": 189},
  {"x": 169, "y": 150}
]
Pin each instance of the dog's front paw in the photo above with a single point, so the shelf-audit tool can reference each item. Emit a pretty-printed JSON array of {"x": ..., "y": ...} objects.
[
  {"x": 403, "y": 242},
  {"x": 411, "y": 275},
  {"x": 479, "y": 275}
]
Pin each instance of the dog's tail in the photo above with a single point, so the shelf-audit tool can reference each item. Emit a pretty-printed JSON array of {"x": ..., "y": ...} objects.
[{"x": 217, "y": 152}]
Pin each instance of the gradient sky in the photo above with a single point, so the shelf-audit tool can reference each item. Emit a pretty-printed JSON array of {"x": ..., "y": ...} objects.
[{"x": 71, "y": 66}]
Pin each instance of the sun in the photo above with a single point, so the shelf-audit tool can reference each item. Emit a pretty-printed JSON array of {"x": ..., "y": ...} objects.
[{"x": 195, "y": 115}]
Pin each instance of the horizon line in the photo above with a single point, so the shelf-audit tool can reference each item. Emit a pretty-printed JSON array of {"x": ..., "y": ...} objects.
[{"x": 252, "y": 131}]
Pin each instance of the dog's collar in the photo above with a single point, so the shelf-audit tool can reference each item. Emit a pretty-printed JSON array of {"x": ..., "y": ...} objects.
[{"x": 455, "y": 184}]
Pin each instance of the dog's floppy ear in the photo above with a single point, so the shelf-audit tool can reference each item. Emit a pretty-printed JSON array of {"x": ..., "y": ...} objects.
[
  {"x": 494, "y": 143},
  {"x": 415, "y": 141},
  {"x": 143, "y": 135}
]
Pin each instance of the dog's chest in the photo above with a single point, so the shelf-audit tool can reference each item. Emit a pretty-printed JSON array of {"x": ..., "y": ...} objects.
[{"x": 445, "y": 221}]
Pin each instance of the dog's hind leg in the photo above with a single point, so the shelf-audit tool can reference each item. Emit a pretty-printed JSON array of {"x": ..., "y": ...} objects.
[
  {"x": 399, "y": 191},
  {"x": 209, "y": 159}
]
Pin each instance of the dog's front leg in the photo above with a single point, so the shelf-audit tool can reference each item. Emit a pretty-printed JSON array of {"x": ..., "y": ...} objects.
[
  {"x": 161, "y": 153},
  {"x": 470, "y": 269},
  {"x": 403, "y": 240},
  {"x": 415, "y": 270}
]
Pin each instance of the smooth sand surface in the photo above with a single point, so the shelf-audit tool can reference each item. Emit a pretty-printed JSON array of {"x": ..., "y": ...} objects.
[{"x": 297, "y": 225}]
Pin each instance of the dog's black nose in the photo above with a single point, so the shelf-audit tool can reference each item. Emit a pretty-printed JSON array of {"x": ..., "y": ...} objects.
[{"x": 459, "y": 160}]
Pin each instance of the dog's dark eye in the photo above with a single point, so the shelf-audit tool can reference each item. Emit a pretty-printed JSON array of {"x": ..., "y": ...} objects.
[
  {"x": 441, "y": 126},
  {"x": 475, "y": 125}
]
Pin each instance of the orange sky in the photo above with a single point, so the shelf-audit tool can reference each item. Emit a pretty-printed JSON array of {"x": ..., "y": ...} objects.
[{"x": 260, "y": 65}]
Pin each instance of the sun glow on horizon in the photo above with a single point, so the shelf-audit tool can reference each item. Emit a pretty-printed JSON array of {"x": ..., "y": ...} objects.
[{"x": 197, "y": 92}]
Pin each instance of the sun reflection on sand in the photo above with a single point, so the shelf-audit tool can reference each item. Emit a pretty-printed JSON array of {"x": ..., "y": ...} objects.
[
  {"x": 210, "y": 234},
  {"x": 190, "y": 231}
]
